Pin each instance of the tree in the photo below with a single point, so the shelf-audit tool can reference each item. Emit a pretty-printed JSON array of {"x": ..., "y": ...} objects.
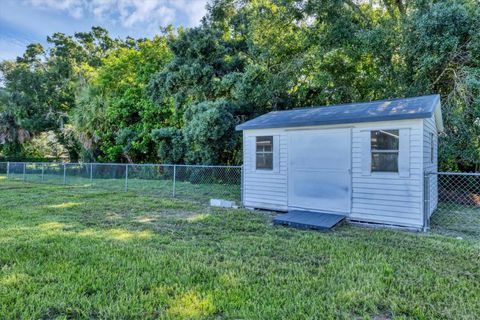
[
  {"x": 210, "y": 132},
  {"x": 41, "y": 85},
  {"x": 115, "y": 115},
  {"x": 25, "y": 100},
  {"x": 442, "y": 50},
  {"x": 177, "y": 97}
]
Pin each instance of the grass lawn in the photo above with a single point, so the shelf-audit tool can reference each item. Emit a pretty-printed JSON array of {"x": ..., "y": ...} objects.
[
  {"x": 199, "y": 192},
  {"x": 74, "y": 252},
  {"x": 457, "y": 220}
]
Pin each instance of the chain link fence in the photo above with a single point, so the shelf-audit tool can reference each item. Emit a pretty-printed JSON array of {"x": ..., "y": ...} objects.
[
  {"x": 454, "y": 201},
  {"x": 194, "y": 182},
  {"x": 3, "y": 170}
]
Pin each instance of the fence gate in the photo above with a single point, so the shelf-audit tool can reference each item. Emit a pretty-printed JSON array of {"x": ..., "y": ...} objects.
[{"x": 452, "y": 203}]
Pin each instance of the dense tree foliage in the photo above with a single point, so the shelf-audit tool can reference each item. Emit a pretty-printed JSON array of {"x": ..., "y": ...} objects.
[
  {"x": 176, "y": 98},
  {"x": 114, "y": 116}
]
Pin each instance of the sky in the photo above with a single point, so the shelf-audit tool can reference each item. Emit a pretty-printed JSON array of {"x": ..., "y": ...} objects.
[{"x": 27, "y": 21}]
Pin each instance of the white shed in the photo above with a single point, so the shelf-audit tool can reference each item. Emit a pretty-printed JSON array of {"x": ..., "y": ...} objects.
[{"x": 363, "y": 160}]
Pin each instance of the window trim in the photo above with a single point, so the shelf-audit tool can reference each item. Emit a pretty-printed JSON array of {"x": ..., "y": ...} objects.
[
  {"x": 432, "y": 149},
  {"x": 272, "y": 152},
  {"x": 384, "y": 151}
]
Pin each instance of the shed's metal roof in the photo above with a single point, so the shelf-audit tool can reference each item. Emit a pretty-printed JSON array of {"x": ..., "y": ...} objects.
[{"x": 384, "y": 110}]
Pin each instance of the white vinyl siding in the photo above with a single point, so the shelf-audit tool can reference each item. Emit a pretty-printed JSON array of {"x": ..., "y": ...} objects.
[
  {"x": 265, "y": 189},
  {"x": 388, "y": 197},
  {"x": 404, "y": 153},
  {"x": 429, "y": 128},
  {"x": 377, "y": 197}
]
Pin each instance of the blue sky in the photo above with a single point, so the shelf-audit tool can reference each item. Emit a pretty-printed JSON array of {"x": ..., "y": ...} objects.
[{"x": 26, "y": 21}]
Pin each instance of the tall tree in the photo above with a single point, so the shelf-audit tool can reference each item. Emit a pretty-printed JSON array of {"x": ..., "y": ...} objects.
[
  {"x": 115, "y": 114},
  {"x": 177, "y": 97}
]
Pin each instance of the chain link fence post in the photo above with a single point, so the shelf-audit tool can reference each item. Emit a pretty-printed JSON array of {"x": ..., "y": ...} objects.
[
  {"x": 126, "y": 177},
  {"x": 91, "y": 174},
  {"x": 242, "y": 177},
  {"x": 196, "y": 182},
  {"x": 426, "y": 202},
  {"x": 174, "y": 179},
  {"x": 64, "y": 173}
]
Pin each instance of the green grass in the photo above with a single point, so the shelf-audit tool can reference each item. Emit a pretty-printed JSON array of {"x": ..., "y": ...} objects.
[
  {"x": 200, "y": 192},
  {"x": 74, "y": 252},
  {"x": 457, "y": 220}
]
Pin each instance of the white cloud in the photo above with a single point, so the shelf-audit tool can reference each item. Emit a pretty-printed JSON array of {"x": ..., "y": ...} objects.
[
  {"x": 101, "y": 8},
  {"x": 194, "y": 9},
  {"x": 130, "y": 13},
  {"x": 135, "y": 12},
  {"x": 74, "y": 8}
]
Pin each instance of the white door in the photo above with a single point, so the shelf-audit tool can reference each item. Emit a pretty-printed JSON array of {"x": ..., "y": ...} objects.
[{"x": 319, "y": 175}]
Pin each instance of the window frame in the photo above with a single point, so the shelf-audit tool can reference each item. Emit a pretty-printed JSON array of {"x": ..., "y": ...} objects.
[
  {"x": 385, "y": 151},
  {"x": 263, "y": 152},
  {"x": 432, "y": 150}
]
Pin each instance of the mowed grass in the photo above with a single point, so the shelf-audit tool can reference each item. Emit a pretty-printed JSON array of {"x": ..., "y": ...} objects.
[
  {"x": 73, "y": 252},
  {"x": 199, "y": 192},
  {"x": 457, "y": 220}
]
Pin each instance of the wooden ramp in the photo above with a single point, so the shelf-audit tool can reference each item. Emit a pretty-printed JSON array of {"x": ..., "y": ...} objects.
[{"x": 309, "y": 220}]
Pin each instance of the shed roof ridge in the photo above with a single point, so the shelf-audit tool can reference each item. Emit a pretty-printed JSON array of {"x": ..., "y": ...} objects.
[
  {"x": 353, "y": 103},
  {"x": 372, "y": 111}
]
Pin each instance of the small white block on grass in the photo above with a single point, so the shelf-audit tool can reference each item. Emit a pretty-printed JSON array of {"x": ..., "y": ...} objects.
[{"x": 222, "y": 203}]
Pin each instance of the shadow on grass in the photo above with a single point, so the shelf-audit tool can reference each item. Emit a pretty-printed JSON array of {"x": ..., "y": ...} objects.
[{"x": 84, "y": 254}]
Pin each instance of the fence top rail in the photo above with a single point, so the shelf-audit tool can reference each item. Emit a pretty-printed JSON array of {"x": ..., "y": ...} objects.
[
  {"x": 206, "y": 166},
  {"x": 123, "y": 164},
  {"x": 472, "y": 174}
]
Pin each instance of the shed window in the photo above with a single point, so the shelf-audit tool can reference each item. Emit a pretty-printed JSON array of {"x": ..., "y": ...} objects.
[
  {"x": 264, "y": 153},
  {"x": 432, "y": 144},
  {"x": 384, "y": 148}
]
